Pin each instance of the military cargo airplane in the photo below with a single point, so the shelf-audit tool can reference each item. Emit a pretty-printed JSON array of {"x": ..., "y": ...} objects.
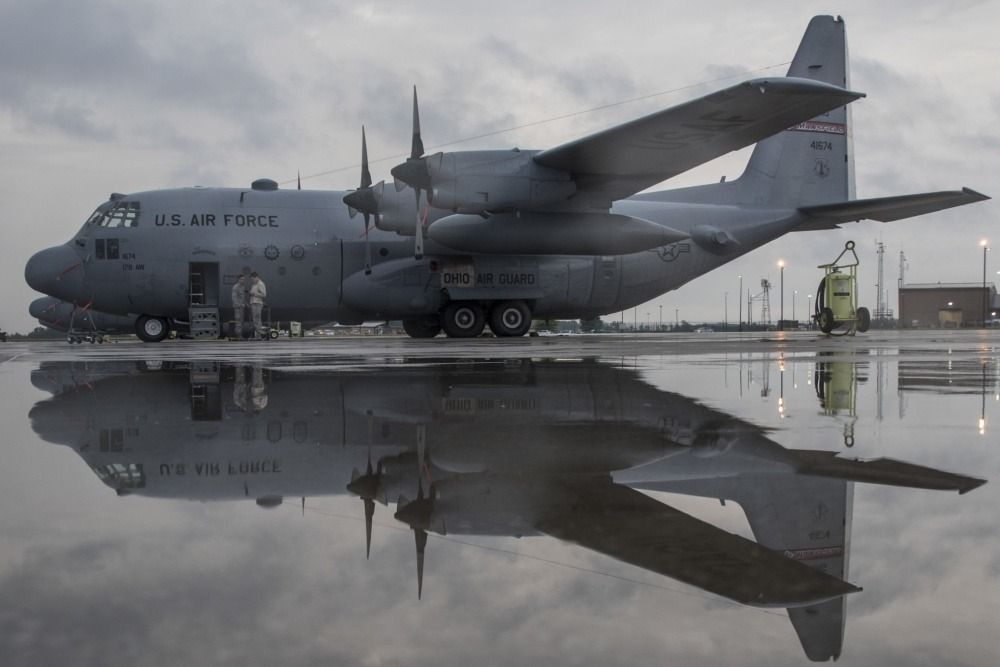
[
  {"x": 510, "y": 234},
  {"x": 560, "y": 449}
]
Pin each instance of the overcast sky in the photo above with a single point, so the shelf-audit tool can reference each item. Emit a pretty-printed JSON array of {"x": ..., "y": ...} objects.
[{"x": 126, "y": 96}]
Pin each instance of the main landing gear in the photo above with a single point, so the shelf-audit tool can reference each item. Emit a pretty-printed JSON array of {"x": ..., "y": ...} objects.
[{"x": 468, "y": 319}]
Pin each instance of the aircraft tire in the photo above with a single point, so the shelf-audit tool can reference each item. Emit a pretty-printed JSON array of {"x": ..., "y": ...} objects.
[
  {"x": 463, "y": 319},
  {"x": 422, "y": 327},
  {"x": 864, "y": 319},
  {"x": 151, "y": 329},
  {"x": 510, "y": 318},
  {"x": 826, "y": 321}
]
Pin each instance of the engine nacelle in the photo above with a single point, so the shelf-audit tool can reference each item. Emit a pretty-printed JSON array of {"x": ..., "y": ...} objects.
[{"x": 490, "y": 181}]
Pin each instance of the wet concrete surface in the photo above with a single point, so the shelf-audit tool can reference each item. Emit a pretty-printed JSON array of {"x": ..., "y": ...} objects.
[{"x": 383, "y": 500}]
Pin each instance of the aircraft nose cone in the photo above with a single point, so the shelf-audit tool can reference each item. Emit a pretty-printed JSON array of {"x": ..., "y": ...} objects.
[{"x": 56, "y": 271}]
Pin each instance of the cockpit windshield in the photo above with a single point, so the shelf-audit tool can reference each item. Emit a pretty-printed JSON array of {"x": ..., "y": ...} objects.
[{"x": 119, "y": 214}]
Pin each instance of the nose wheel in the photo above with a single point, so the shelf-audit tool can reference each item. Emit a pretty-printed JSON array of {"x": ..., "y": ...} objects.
[{"x": 151, "y": 329}]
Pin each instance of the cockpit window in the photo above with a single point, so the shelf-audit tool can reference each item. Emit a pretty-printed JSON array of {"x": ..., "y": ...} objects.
[
  {"x": 122, "y": 214},
  {"x": 122, "y": 476}
]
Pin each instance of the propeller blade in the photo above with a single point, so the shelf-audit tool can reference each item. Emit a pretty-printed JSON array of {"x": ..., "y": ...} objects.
[
  {"x": 366, "y": 176},
  {"x": 369, "y": 514},
  {"x": 418, "y": 231},
  {"x": 366, "y": 198},
  {"x": 417, "y": 147},
  {"x": 414, "y": 171},
  {"x": 300, "y": 179},
  {"x": 368, "y": 258},
  {"x": 420, "y": 537}
]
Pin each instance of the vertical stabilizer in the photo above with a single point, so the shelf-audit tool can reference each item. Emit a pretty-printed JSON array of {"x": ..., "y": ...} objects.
[
  {"x": 809, "y": 520},
  {"x": 806, "y": 165},
  {"x": 811, "y": 163}
]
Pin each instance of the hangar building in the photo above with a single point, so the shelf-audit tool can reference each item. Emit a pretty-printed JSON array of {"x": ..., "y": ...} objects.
[{"x": 947, "y": 304}]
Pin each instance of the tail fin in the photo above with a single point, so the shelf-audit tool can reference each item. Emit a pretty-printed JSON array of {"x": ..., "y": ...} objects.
[
  {"x": 806, "y": 165},
  {"x": 811, "y": 163}
]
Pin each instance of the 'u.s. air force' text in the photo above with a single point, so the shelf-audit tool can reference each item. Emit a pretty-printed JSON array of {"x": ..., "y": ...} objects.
[{"x": 212, "y": 220}]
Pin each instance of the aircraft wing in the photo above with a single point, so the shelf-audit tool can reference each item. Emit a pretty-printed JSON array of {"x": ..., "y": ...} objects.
[
  {"x": 627, "y": 525},
  {"x": 621, "y": 161},
  {"x": 885, "y": 209}
]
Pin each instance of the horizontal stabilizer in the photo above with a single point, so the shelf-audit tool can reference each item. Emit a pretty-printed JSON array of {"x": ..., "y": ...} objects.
[
  {"x": 885, "y": 209},
  {"x": 882, "y": 471}
]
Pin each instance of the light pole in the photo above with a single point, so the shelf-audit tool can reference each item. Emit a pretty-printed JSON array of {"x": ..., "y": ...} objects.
[
  {"x": 795, "y": 293},
  {"x": 739, "y": 297},
  {"x": 986, "y": 247},
  {"x": 677, "y": 318},
  {"x": 781, "y": 309},
  {"x": 725, "y": 311},
  {"x": 809, "y": 299}
]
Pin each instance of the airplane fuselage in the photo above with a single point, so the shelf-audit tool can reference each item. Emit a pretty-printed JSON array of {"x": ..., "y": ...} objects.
[{"x": 311, "y": 255}]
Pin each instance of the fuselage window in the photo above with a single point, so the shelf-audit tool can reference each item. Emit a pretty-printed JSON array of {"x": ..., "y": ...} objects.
[{"x": 106, "y": 248}]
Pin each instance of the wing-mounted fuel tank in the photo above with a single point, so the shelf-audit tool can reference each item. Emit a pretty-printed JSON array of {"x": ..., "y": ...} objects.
[{"x": 552, "y": 233}]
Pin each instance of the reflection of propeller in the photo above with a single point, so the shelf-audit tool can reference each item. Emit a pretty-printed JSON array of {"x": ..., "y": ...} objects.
[
  {"x": 417, "y": 515},
  {"x": 414, "y": 173},
  {"x": 366, "y": 198},
  {"x": 369, "y": 488}
]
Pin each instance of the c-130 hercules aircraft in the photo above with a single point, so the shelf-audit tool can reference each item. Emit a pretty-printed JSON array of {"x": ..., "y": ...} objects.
[{"x": 510, "y": 234}]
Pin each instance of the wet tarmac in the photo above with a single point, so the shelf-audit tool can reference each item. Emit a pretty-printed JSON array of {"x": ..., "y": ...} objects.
[{"x": 686, "y": 500}]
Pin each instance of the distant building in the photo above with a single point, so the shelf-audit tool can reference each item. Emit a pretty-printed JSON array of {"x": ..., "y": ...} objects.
[{"x": 947, "y": 304}]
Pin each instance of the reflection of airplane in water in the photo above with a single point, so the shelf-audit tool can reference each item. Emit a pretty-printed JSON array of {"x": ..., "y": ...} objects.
[
  {"x": 79, "y": 324},
  {"x": 551, "y": 448}
]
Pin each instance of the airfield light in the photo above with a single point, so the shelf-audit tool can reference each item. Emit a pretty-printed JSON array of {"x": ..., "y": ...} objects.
[
  {"x": 781, "y": 310},
  {"x": 985, "y": 244},
  {"x": 739, "y": 297}
]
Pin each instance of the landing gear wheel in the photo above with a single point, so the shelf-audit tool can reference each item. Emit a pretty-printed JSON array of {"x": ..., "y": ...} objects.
[
  {"x": 422, "y": 327},
  {"x": 463, "y": 319},
  {"x": 151, "y": 329},
  {"x": 510, "y": 318},
  {"x": 864, "y": 319},
  {"x": 826, "y": 321}
]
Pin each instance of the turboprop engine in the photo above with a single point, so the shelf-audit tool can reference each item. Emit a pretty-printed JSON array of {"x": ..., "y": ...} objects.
[{"x": 492, "y": 181}]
